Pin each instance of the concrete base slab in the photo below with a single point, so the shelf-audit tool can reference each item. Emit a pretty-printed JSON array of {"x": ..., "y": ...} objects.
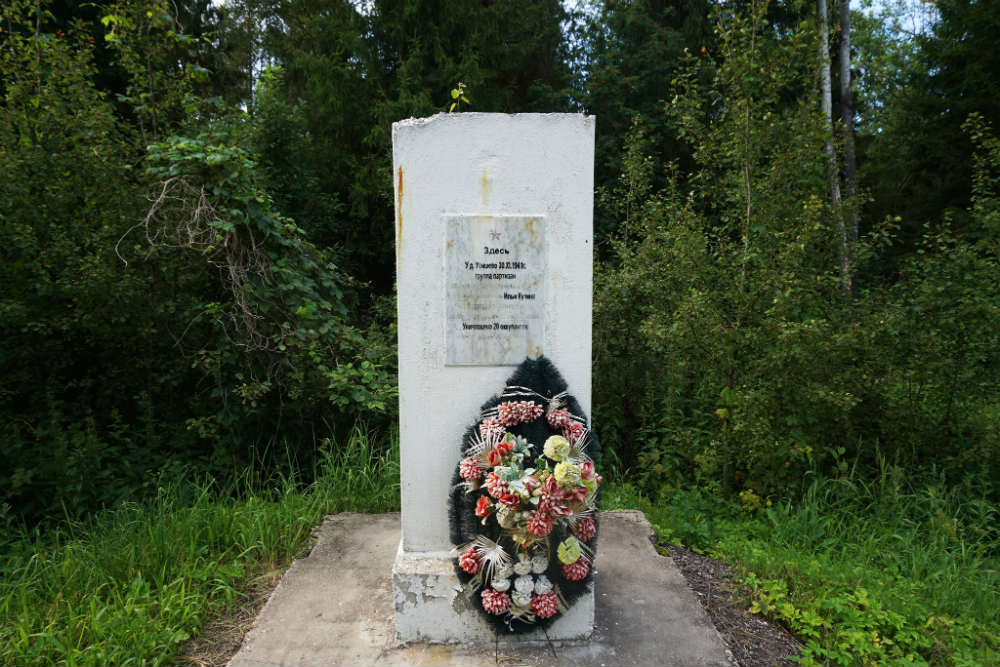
[
  {"x": 336, "y": 607},
  {"x": 430, "y": 606}
]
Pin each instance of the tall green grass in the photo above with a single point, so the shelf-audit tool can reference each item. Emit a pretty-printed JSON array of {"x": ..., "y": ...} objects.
[
  {"x": 864, "y": 573},
  {"x": 135, "y": 582}
]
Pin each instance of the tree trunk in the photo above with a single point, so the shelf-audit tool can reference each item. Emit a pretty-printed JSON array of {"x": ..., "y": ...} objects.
[
  {"x": 832, "y": 171},
  {"x": 847, "y": 120}
]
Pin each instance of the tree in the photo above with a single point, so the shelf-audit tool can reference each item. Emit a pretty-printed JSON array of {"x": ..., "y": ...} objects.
[
  {"x": 356, "y": 73},
  {"x": 633, "y": 51},
  {"x": 847, "y": 128},
  {"x": 832, "y": 166},
  {"x": 917, "y": 162}
]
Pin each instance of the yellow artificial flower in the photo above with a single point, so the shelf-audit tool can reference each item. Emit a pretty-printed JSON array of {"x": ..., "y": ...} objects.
[
  {"x": 567, "y": 474},
  {"x": 556, "y": 448}
]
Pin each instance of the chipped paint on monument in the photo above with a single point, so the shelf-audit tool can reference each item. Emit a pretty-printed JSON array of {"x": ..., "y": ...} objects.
[
  {"x": 495, "y": 277},
  {"x": 412, "y": 590}
]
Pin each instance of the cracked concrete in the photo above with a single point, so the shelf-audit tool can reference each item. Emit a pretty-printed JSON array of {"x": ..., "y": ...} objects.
[{"x": 335, "y": 607}]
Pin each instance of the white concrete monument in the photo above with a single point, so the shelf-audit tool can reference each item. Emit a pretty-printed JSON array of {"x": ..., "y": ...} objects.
[{"x": 494, "y": 246}]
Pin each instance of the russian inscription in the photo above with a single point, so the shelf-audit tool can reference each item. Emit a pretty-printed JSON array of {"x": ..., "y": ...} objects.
[{"x": 495, "y": 283}]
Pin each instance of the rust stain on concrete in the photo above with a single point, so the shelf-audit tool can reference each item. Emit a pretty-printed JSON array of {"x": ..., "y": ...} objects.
[
  {"x": 484, "y": 189},
  {"x": 399, "y": 212}
]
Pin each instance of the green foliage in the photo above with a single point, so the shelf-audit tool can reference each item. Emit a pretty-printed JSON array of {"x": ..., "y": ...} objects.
[
  {"x": 355, "y": 73},
  {"x": 284, "y": 322},
  {"x": 939, "y": 76},
  {"x": 631, "y": 51},
  {"x": 458, "y": 95},
  {"x": 720, "y": 319},
  {"x": 82, "y": 387},
  {"x": 200, "y": 345},
  {"x": 863, "y": 573},
  {"x": 132, "y": 584}
]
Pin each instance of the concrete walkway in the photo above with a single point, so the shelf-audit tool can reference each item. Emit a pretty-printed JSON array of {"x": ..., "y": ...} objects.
[{"x": 335, "y": 607}]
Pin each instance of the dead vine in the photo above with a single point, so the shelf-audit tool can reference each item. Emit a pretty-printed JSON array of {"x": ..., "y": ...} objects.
[{"x": 181, "y": 215}]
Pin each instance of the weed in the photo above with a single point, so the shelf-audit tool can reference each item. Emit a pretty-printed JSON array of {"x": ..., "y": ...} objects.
[{"x": 135, "y": 582}]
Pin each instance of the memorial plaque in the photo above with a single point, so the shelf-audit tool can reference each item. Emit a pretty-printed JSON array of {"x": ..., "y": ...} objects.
[{"x": 495, "y": 289}]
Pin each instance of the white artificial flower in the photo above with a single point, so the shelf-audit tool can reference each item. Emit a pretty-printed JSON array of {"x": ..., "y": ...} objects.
[
  {"x": 524, "y": 584},
  {"x": 539, "y": 564}
]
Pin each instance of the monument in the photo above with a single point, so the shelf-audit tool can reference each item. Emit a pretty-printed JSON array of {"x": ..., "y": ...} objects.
[{"x": 494, "y": 227}]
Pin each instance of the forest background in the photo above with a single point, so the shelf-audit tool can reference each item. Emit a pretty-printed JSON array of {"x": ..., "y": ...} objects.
[{"x": 796, "y": 344}]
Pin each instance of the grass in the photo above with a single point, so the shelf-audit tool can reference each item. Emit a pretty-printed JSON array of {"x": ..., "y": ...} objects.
[
  {"x": 133, "y": 584},
  {"x": 863, "y": 574}
]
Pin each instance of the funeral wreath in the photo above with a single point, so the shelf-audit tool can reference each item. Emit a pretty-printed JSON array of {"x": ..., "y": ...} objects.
[{"x": 523, "y": 505}]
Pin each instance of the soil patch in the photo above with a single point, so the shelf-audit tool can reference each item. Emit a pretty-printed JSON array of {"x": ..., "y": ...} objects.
[
  {"x": 753, "y": 641},
  {"x": 222, "y": 637}
]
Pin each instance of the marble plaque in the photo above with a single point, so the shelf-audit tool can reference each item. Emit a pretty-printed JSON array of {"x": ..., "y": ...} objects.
[{"x": 495, "y": 289}]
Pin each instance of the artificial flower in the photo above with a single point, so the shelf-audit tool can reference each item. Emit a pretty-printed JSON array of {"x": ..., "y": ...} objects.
[
  {"x": 556, "y": 448},
  {"x": 545, "y": 605},
  {"x": 539, "y": 563},
  {"x": 540, "y": 524},
  {"x": 524, "y": 584},
  {"x": 577, "y": 494},
  {"x": 483, "y": 507},
  {"x": 509, "y": 499},
  {"x": 576, "y": 571},
  {"x": 470, "y": 469},
  {"x": 496, "y": 486},
  {"x": 505, "y": 516},
  {"x": 585, "y": 528},
  {"x": 469, "y": 561},
  {"x": 490, "y": 428},
  {"x": 574, "y": 432},
  {"x": 543, "y": 585},
  {"x": 559, "y": 418},
  {"x": 495, "y": 602},
  {"x": 567, "y": 474},
  {"x": 569, "y": 551},
  {"x": 521, "y": 599}
]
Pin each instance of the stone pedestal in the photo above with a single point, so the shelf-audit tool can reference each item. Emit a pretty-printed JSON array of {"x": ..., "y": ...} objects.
[{"x": 460, "y": 179}]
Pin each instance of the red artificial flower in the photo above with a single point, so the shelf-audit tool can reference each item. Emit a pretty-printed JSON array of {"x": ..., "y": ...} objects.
[
  {"x": 510, "y": 499},
  {"x": 483, "y": 506},
  {"x": 577, "y": 494},
  {"x": 531, "y": 483},
  {"x": 585, "y": 528},
  {"x": 540, "y": 524},
  {"x": 490, "y": 427},
  {"x": 470, "y": 470},
  {"x": 587, "y": 471},
  {"x": 469, "y": 561},
  {"x": 515, "y": 412},
  {"x": 495, "y": 602},
  {"x": 545, "y": 605},
  {"x": 508, "y": 414},
  {"x": 573, "y": 432},
  {"x": 496, "y": 486},
  {"x": 576, "y": 571},
  {"x": 559, "y": 418},
  {"x": 505, "y": 447},
  {"x": 553, "y": 499},
  {"x": 493, "y": 457}
]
